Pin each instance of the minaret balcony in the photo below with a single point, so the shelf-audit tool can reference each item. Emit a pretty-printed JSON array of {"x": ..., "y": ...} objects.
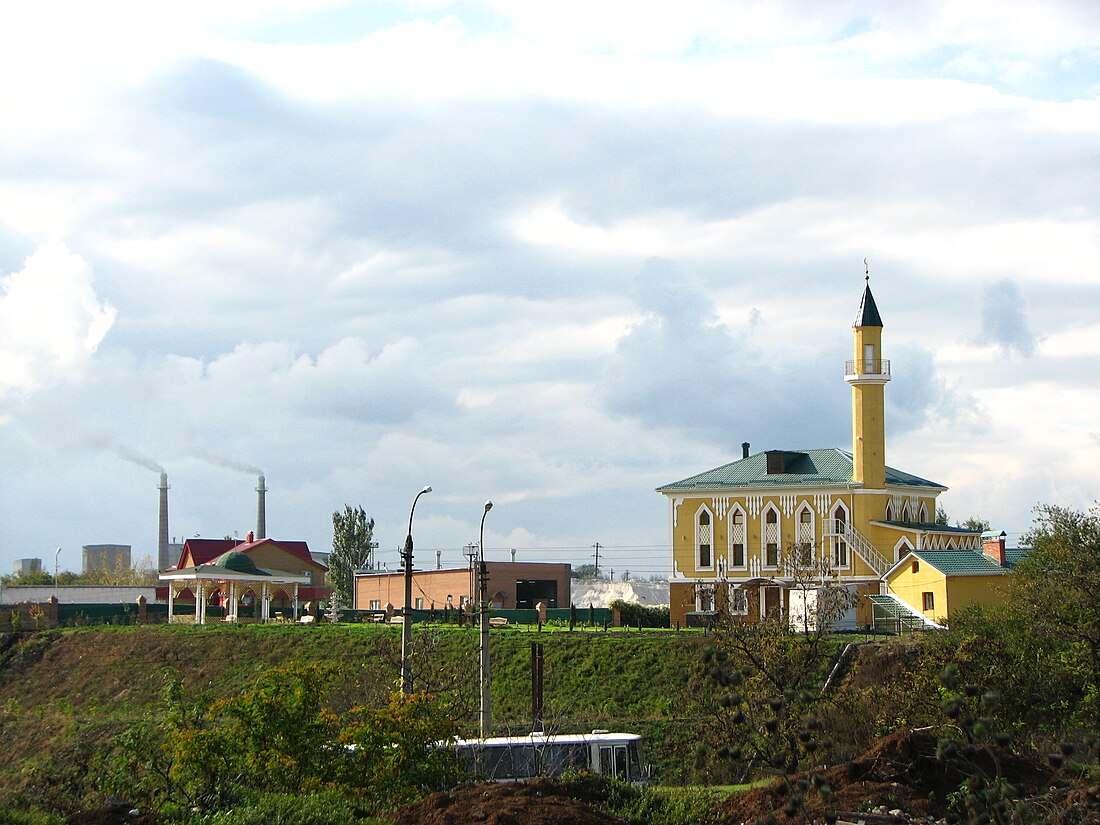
[{"x": 861, "y": 371}]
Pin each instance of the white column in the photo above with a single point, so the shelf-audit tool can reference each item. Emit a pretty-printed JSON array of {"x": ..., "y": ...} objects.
[
  {"x": 200, "y": 603},
  {"x": 233, "y": 599},
  {"x": 171, "y": 595},
  {"x": 265, "y": 606},
  {"x": 295, "y": 601}
]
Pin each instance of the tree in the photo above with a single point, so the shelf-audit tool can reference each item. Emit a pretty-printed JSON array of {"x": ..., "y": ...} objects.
[
  {"x": 585, "y": 571},
  {"x": 121, "y": 573},
  {"x": 352, "y": 549},
  {"x": 768, "y": 672},
  {"x": 1057, "y": 588},
  {"x": 37, "y": 578},
  {"x": 975, "y": 523}
]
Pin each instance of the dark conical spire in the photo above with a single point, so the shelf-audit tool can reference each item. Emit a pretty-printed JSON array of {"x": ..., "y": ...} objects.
[{"x": 868, "y": 313}]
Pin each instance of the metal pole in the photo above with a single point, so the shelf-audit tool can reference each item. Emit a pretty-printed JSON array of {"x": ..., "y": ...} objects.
[
  {"x": 486, "y": 716},
  {"x": 56, "y": 559},
  {"x": 406, "y": 616}
]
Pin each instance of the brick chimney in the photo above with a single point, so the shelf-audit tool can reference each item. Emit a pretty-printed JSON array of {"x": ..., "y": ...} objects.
[{"x": 995, "y": 548}]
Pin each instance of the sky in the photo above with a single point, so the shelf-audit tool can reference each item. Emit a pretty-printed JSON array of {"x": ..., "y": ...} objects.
[{"x": 554, "y": 255}]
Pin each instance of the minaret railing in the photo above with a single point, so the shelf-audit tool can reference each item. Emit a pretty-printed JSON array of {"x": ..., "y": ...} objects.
[{"x": 874, "y": 366}]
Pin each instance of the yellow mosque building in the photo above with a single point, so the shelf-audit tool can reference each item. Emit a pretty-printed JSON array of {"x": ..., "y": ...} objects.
[{"x": 736, "y": 529}]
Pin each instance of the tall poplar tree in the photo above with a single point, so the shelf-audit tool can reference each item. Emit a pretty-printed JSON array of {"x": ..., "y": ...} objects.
[{"x": 352, "y": 549}]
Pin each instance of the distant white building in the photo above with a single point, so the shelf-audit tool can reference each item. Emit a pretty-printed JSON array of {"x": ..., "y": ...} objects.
[
  {"x": 25, "y": 567},
  {"x": 106, "y": 557}
]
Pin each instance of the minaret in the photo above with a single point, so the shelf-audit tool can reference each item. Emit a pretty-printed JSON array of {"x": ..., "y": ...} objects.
[{"x": 868, "y": 374}]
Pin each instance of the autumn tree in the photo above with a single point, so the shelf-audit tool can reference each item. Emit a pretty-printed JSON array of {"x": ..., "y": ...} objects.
[{"x": 352, "y": 549}]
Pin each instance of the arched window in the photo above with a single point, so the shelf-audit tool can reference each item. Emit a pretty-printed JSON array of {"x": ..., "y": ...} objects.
[
  {"x": 840, "y": 546},
  {"x": 737, "y": 538},
  {"x": 890, "y": 510},
  {"x": 804, "y": 535},
  {"x": 703, "y": 540},
  {"x": 906, "y": 513},
  {"x": 770, "y": 537},
  {"x": 923, "y": 513},
  {"x": 901, "y": 548}
]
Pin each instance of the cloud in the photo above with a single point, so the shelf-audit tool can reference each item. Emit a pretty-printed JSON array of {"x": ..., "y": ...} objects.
[
  {"x": 51, "y": 320},
  {"x": 1004, "y": 319}
]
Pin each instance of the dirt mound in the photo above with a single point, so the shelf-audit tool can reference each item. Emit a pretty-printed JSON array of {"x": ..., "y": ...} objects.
[
  {"x": 900, "y": 771},
  {"x": 533, "y": 803},
  {"x": 112, "y": 814}
]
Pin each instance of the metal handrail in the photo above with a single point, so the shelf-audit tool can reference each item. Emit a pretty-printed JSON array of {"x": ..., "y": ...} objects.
[
  {"x": 856, "y": 541},
  {"x": 874, "y": 366}
]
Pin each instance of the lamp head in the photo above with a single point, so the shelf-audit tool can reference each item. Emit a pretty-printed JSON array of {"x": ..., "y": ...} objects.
[
  {"x": 488, "y": 506},
  {"x": 427, "y": 489}
]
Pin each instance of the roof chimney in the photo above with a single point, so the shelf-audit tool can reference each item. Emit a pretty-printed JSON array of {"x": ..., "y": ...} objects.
[
  {"x": 744, "y": 449},
  {"x": 163, "y": 548},
  {"x": 261, "y": 511},
  {"x": 994, "y": 547}
]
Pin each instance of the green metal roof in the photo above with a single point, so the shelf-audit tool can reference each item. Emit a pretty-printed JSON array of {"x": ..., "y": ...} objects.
[
  {"x": 961, "y": 562},
  {"x": 239, "y": 563},
  {"x": 820, "y": 468},
  {"x": 930, "y": 527}
]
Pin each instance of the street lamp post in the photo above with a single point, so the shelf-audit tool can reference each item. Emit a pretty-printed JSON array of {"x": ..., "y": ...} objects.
[
  {"x": 486, "y": 716},
  {"x": 56, "y": 560},
  {"x": 406, "y": 617}
]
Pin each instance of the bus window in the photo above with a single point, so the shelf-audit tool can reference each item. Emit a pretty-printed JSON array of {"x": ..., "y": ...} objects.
[
  {"x": 620, "y": 763},
  {"x": 605, "y": 760}
]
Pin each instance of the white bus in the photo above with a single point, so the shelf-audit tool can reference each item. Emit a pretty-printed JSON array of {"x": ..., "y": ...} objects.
[{"x": 511, "y": 758}]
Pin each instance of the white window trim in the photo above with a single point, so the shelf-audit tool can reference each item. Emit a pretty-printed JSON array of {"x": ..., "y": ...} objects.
[
  {"x": 764, "y": 536},
  {"x": 798, "y": 537},
  {"x": 744, "y": 610},
  {"x": 702, "y": 590},
  {"x": 744, "y": 538},
  {"x": 703, "y": 508},
  {"x": 901, "y": 548},
  {"x": 840, "y": 505}
]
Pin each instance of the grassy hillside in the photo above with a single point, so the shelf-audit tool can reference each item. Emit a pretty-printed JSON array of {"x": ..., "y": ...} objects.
[{"x": 63, "y": 691}]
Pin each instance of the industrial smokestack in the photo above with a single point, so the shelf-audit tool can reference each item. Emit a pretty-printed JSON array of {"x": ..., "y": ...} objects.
[
  {"x": 261, "y": 511},
  {"x": 163, "y": 549}
]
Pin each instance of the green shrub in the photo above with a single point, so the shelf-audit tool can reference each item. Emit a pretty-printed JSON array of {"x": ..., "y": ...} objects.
[
  {"x": 325, "y": 808},
  {"x": 632, "y": 614},
  {"x": 12, "y": 817}
]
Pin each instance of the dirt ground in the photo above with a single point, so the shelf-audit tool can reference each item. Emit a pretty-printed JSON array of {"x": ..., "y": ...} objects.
[
  {"x": 529, "y": 803},
  {"x": 899, "y": 773}
]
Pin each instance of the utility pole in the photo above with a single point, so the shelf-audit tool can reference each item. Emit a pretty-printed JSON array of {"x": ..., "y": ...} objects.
[
  {"x": 486, "y": 715},
  {"x": 406, "y": 613},
  {"x": 597, "y": 554}
]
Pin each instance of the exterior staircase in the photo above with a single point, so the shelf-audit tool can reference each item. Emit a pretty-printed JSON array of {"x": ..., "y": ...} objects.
[
  {"x": 858, "y": 544},
  {"x": 891, "y": 614}
]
